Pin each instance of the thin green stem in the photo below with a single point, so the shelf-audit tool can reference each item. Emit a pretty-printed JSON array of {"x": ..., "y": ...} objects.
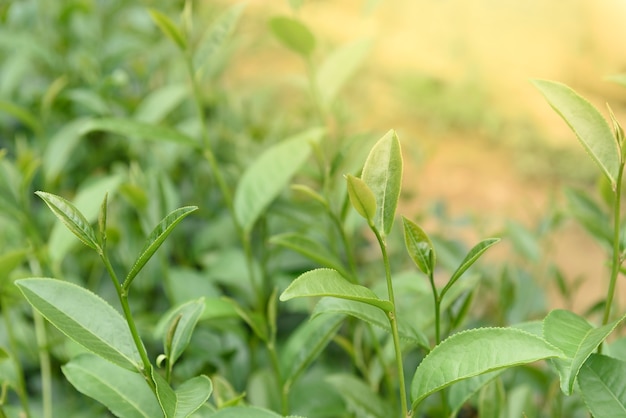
[
  {"x": 21, "y": 384},
  {"x": 616, "y": 250},
  {"x": 437, "y": 300},
  {"x": 44, "y": 361},
  {"x": 346, "y": 245},
  {"x": 393, "y": 322}
]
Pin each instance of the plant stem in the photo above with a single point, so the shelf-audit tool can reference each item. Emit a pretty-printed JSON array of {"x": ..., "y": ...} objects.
[
  {"x": 616, "y": 250},
  {"x": 393, "y": 322},
  {"x": 437, "y": 300}
]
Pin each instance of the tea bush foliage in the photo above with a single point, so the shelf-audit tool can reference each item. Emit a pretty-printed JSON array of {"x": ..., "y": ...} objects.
[{"x": 174, "y": 246}]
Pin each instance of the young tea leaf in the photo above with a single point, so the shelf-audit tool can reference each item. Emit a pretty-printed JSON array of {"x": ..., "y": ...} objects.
[
  {"x": 125, "y": 393},
  {"x": 419, "y": 246},
  {"x": 471, "y": 257},
  {"x": 268, "y": 175},
  {"x": 71, "y": 218},
  {"x": 474, "y": 352},
  {"x": 603, "y": 386},
  {"x": 362, "y": 198},
  {"x": 156, "y": 238},
  {"x": 327, "y": 282},
  {"x": 382, "y": 172},
  {"x": 84, "y": 317},
  {"x": 185, "y": 317},
  {"x": 293, "y": 34},
  {"x": 587, "y": 123},
  {"x": 192, "y": 394},
  {"x": 168, "y": 28},
  {"x": 165, "y": 395}
]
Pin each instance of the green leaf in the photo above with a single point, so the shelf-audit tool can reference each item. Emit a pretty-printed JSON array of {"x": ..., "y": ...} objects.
[
  {"x": 587, "y": 123},
  {"x": 184, "y": 319},
  {"x": 131, "y": 128},
  {"x": 577, "y": 339},
  {"x": 306, "y": 344},
  {"x": 293, "y": 34},
  {"x": 372, "y": 315},
  {"x": 462, "y": 391},
  {"x": 382, "y": 172},
  {"x": 471, "y": 257},
  {"x": 87, "y": 200},
  {"x": 268, "y": 175},
  {"x": 72, "y": 218},
  {"x": 253, "y": 319},
  {"x": 310, "y": 249},
  {"x": 474, "y": 352},
  {"x": 156, "y": 238},
  {"x": 603, "y": 386},
  {"x": 60, "y": 146},
  {"x": 165, "y": 395},
  {"x": 216, "y": 35},
  {"x": 160, "y": 102},
  {"x": 192, "y": 394},
  {"x": 244, "y": 412},
  {"x": 419, "y": 246},
  {"x": 84, "y": 317},
  {"x": 23, "y": 115},
  {"x": 125, "y": 393},
  {"x": 590, "y": 215},
  {"x": 338, "y": 68},
  {"x": 168, "y": 28},
  {"x": 327, "y": 282},
  {"x": 10, "y": 261},
  {"x": 360, "y": 398},
  {"x": 362, "y": 198}
]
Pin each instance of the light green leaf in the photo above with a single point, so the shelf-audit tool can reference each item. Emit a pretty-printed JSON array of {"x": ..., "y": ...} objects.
[
  {"x": 192, "y": 394},
  {"x": 308, "y": 191},
  {"x": 327, "y": 282},
  {"x": 125, "y": 393},
  {"x": 382, "y": 172},
  {"x": 84, "y": 317},
  {"x": 253, "y": 319},
  {"x": 134, "y": 129},
  {"x": 244, "y": 412},
  {"x": 462, "y": 391},
  {"x": 269, "y": 174},
  {"x": 474, "y": 352},
  {"x": 603, "y": 386},
  {"x": 185, "y": 317},
  {"x": 60, "y": 146},
  {"x": 587, "y": 123},
  {"x": 160, "y": 102},
  {"x": 471, "y": 257},
  {"x": 72, "y": 218},
  {"x": 216, "y": 35},
  {"x": 338, "y": 68},
  {"x": 372, "y": 315},
  {"x": 310, "y": 249},
  {"x": 156, "y": 238},
  {"x": 419, "y": 246},
  {"x": 360, "y": 398},
  {"x": 168, "y": 28},
  {"x": 293, "y": 34},
  {"x": 87, "y": 200},
  {"x": 577, "y": 339},
  {"x": 306, "y": 344},
  {"x": 165, "y": 395},
  {"x": 362, "y": 198}
]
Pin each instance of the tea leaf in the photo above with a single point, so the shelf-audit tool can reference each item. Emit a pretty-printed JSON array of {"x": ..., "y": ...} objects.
[
  {"x": 310, "y": 249},
  {"x": 84, "y": 317},
  {"x": 23, "y": 115},
  {"x": 160, "y": 102},
  {"x": 268, "y": 175},
  {"x": 587, "y": 123},
  {"x": 603, "y": 387},
  {"x": 245, "y": 412},
  {"x": 338, "y": 67},
  {"x": 168, "y": 28},
  {"x": 125, "y": 393},
  {"x": 156, "y": 238},
  {"x": 131, "y": 128},
  {"x": 474, "y": 352},
  {"x": 361, "y": 399},
  {"x": 188, "y": 314},
  {"x": 165, "y": 395},
  {"x": 253, "y": 319},
  {"x": 306, "y": 343},
  {"x": 192, "y": 394},
  {"x": 72, "y": 218},
  {"x": 216, "y": 35},
  {"x": 471, "y": 257},
  {"x": 293, "y": 34},
  {"x": 327, "y": 282},
  {"x": 382, "y": 172},
  {"x": 419, "y": 246},
  {"x": 462, "y": 391},
  {"x": 362, "y": 198},
  {"x": 578, "y": 340},
  {"x": 60, "y": 147}
]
